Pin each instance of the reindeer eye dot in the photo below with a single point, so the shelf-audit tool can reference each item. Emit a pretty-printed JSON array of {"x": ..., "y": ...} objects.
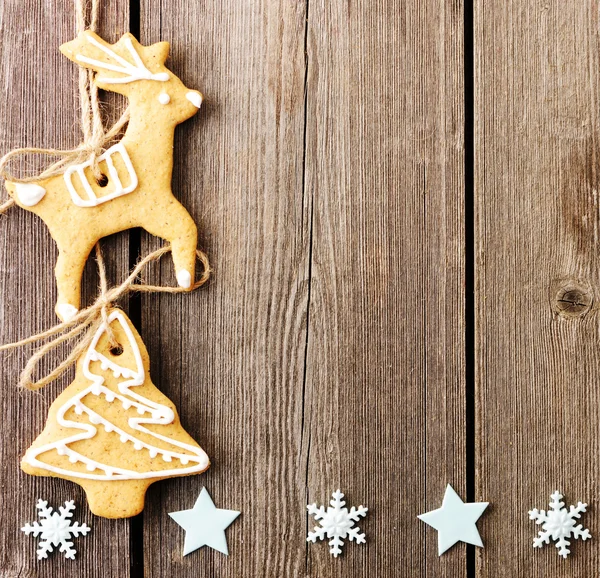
[{"x": 164, "y": 98}]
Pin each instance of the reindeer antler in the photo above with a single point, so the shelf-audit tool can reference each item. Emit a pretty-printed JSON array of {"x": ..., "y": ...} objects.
[
  {"x": 86, "y": 46},
  {"x": 137, "y": 72}
]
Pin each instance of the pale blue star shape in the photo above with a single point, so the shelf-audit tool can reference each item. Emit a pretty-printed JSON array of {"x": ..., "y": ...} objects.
[
  {"x": 204, "y": 524},
  {"x": 455, "y": 521}
]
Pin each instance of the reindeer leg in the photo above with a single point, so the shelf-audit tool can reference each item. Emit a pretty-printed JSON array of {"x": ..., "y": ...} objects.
[
  {"x": 69, "y": 269},
  {"x": 174, "y": 224}
]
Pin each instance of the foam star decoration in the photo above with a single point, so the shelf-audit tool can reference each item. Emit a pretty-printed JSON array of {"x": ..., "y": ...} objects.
[
  {"x": 204, "y": 524},
  {"x": 455, "y": 521}
]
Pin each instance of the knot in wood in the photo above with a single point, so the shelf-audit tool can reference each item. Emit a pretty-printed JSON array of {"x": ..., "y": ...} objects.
[{"x": 572, "y": 299}]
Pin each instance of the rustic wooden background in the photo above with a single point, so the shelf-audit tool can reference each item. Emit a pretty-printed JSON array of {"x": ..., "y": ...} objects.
[{"x": 400, "y": 202}]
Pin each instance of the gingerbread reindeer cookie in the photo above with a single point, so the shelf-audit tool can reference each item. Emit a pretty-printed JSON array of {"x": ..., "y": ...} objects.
[
  {"x": 135, "y": 190},
  {"x": 112, "y": 431}
]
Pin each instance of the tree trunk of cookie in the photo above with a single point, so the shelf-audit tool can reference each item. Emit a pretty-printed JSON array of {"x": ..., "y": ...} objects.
[{"x": 119, "y": 499}]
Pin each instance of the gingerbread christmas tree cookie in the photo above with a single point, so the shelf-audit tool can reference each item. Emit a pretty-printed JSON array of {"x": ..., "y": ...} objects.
[
  {"x": 112, "y": 431},
  {"x": 134, "y": 189}
]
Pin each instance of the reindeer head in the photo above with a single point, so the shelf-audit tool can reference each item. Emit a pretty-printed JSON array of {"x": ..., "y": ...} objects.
[{"x": 138, "y": 72}]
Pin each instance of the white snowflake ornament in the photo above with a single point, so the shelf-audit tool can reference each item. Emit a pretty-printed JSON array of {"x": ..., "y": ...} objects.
[
  {"x": 559, "y": 524},
  {"x": 337, "y": 523},
  {"x": 55, "y": 529}
]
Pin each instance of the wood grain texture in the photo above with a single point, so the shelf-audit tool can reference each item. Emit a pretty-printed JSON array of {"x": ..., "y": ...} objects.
[
  {"x": 536, "y": 186},
  {"x": 385, "y": 397},
  {"x": 231, "y": 356},
  {"x": 328, "y": 350},
  {"x": 39, "y": 108}
]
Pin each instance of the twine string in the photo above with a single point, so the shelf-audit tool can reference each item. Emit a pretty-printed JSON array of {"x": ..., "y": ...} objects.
[
  {"x": 84, "y": 324},
  {"x": 93, "y": 135},
  {"x": 91, "y": 117},
  {"x": 103, "y": 290}
]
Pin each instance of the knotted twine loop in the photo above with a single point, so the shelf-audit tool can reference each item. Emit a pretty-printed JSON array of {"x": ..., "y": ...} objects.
[
  {"x": 95, "y": 138},
  {"x": 85, "y": 324}
]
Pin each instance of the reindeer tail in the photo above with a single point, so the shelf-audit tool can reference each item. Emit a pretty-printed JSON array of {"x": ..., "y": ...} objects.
[
  {"x": 10, "y": 187},
  {"x": 26, "y": 194}
]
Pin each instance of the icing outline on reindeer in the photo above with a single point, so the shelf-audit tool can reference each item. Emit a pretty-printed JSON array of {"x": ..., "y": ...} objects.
[{"x": 79, "y": 211}]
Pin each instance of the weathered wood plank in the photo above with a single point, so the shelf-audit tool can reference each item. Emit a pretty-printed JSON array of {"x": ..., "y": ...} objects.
[
  {"x": 231, "y": 355},
  {"x": 385, "y": 350},
  {"x": 38, "y": 108},
  {"x": 536, "y": 142},
  {"x": 384, "y": 405}
]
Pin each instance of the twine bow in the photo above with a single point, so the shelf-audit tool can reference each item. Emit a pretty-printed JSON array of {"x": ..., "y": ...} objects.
[{"x": 85, "y": 324}]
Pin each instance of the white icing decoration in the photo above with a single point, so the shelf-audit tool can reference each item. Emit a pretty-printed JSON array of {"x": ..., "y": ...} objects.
[
  {"x": 195, "y": 98},
  {"x": 164, "y": 98},
  {"x": 158, "y": 415},
  {"x": 92, "y": 200},
  {"x": 66, "y": 311},
  {"x": 132, "y": 72},
  {"x": 29, "y": 194},
  {"x": 184, "y": 279}
]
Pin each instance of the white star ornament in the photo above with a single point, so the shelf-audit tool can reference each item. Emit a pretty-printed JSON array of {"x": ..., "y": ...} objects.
[
  {"x": 204, "y": 524},
  {"x": 455, "y": 521}
]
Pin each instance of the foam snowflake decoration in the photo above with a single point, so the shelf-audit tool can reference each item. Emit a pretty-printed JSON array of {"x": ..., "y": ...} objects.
[
  {"x": 55, "y": 529},
  {"x": 559, "y": 524},
  {"x": 337, "y": 523}
]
